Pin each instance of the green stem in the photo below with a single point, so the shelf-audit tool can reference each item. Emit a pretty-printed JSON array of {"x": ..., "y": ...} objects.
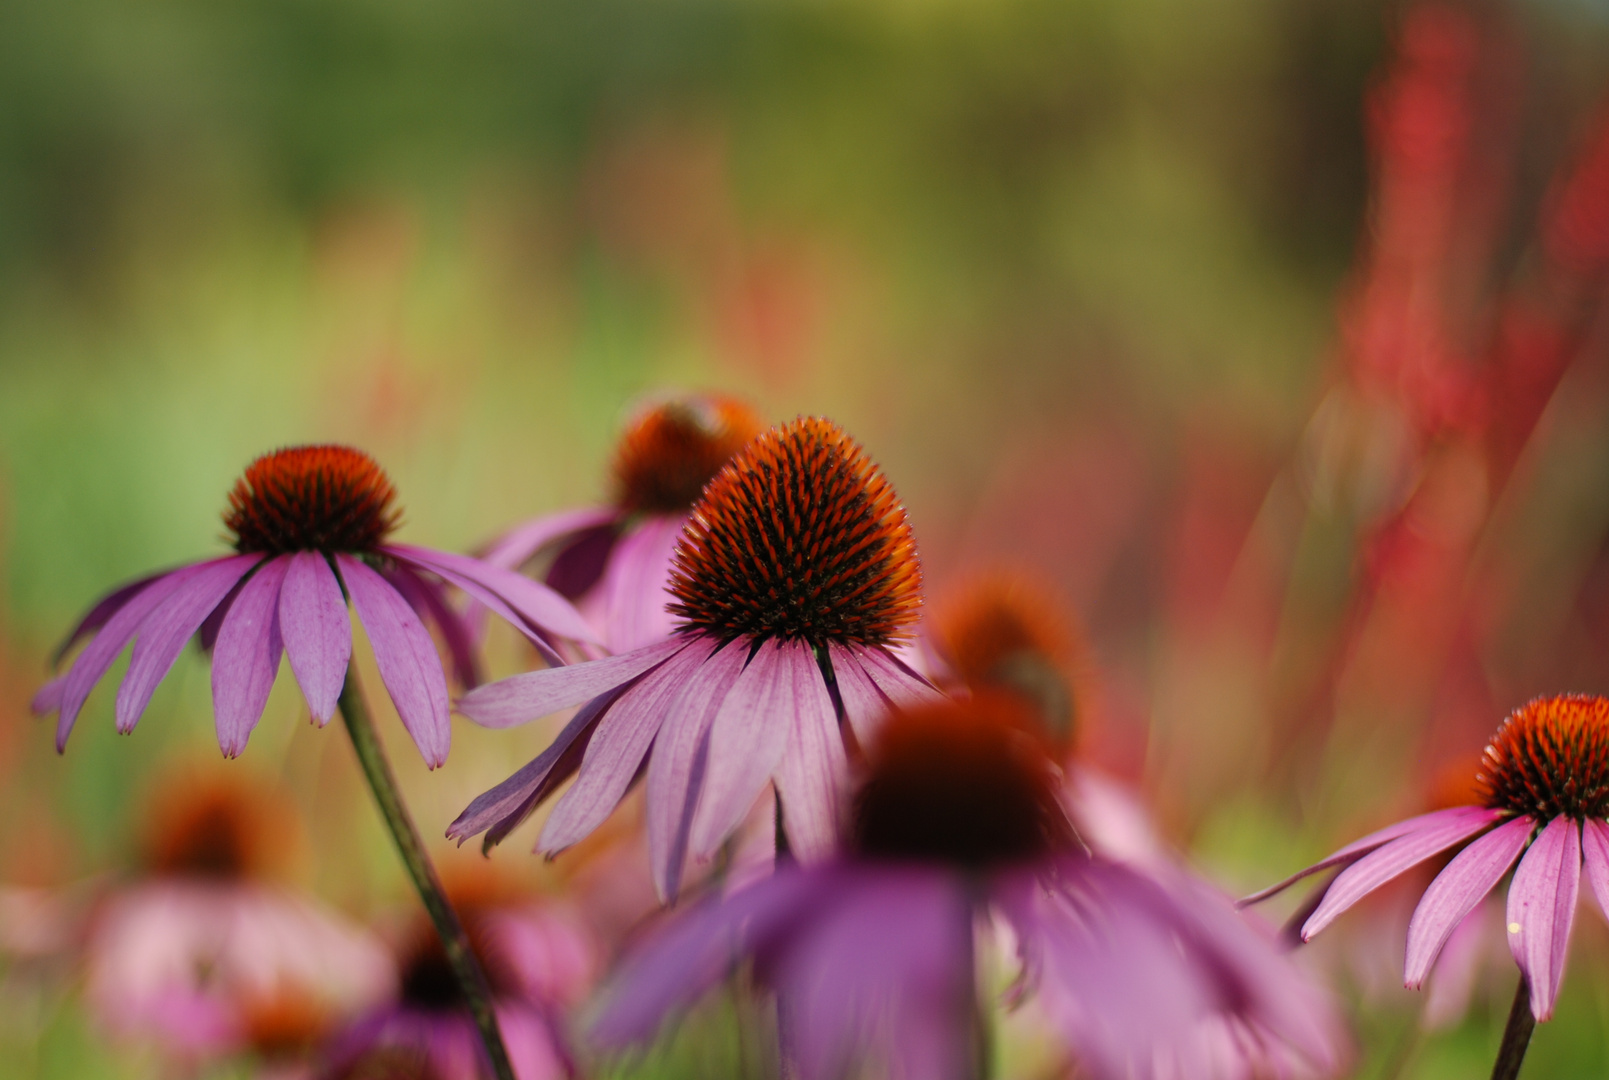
[
  {"x": 454, "y": 942},
  {"x": 1516, "y": 1035}
]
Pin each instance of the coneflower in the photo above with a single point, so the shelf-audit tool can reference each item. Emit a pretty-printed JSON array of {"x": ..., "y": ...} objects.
[{"x": 796, "y": 573}]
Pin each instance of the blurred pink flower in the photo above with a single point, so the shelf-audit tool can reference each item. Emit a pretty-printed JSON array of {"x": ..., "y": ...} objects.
[
  {"x": 539, "y": 962},
  {"x": 309, "y": 525},
  {"x": 614, "y": 561},
  {"x": 1545, "y": 787},
  {"x": 960, "y": 823},
  {"x": 798, "y": 567}
]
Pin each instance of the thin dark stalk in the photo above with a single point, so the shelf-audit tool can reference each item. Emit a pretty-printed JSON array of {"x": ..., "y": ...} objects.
[
  {"x": 1516, "y": 1035},
  {"x": 454, "y": 942}
]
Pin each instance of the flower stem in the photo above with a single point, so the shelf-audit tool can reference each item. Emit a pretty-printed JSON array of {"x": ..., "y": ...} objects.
[
  {"x": 1516, "y": 1035},
  {"x": 454, "y": 942}
]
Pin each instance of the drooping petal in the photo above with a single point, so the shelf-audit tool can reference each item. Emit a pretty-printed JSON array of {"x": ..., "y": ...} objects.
[
  {"x": 1472, "y": 874},
  {"x": 675, "y": 767},
  {"x": 529, "y": 605},
  {"x": 104, "y": 609},
  {"x": 245, "y": 657},
  {"x": 864, "y": 704},
  {"x": 902, "y": 686},
  {"x": 1595, "y": 860},
  {"x": 522, "y": 698},
  {"x": 163, "y": 634},
  {"x": 1379, "y": 866},
  {"x": 524, "y": 541},
  {"x": 504, "y": 807},
  {"x": 697, "y": 949},
  {"x": 1541, "y": 910},
  {"x": 618, "y": 748},
  {"x": 746, "y": 741},
  {"x": 406, "y": 657},
  {"x": 317, "y": 631},
  {"x": 98, "y": 655},
  {"x": 47, "y": 699},
  {"x": 425, "y": 597},
  {"x": 635, "y": 583},
  {"x": 1358, "y": 848},
  {"x": 814, "y": 770}
]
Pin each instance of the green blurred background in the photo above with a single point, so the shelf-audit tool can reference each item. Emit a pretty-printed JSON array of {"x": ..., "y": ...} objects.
[{"x": 1069, "y": 269}]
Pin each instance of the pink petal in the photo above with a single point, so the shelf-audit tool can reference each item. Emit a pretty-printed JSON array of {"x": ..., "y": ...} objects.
[
  {"x": 163, "y": 634},
  {"x": 746, "y": 741},
  {"x": 245, "y": 657},
  {"x": 1472, "y": 874},
  {"x": 406, "y": 656},
  {"x": 675, "y": 768},
  {"x": 104, "y": 609},
  {"x": 1541, "y": 910},
  {"x": 317, "y": 631},
  {"x": 98, "y": 655},
  {"x": 523, "y": 542},
  {"x": 1433, "y": 833},
  {"x": 1595, "y": 856},
  {"x": 814, "y": 771},
  {"x": 1378, "y": 838},
  {"x": 902, "y": 686},
  {"x": 429, "y": 602},
  {"x": 47, "y": 699},
  {"x": 529, "y": 605},
  {"x": 635, "y": 583},
  {"x": 865, "y": 706},
  {"x": 618, "y": 748},
  {"x": 505, "y": 806},
  {"x": 521, "y": 698}
]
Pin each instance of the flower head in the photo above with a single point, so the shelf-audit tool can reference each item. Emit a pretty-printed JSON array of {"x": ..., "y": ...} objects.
[
  {"x": 873, "y": 954},
  {"x": 1542, "y": 798},
  {"x": 797, "y": 567},
  {"x": 310, "y": 526},
  {"x": 614, "y": 561}
]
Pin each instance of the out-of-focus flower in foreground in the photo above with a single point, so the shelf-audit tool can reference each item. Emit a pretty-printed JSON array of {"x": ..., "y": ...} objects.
[
  {"x": 615, "y": 561},
  {"x": 206, "y": 954},
  {"x": 539, "y": 962},
  {"x": 1545, "y": 802},
  {"x": 796, "y": 573},
  {"x": 309, "y": 529},
  {"x": 959, "y": 822}
]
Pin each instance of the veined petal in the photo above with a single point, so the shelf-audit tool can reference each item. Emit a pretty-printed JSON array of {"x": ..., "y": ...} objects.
[
  {"x": 1358, "y": 848},
  {"x": 529, "y": 605},
  {"x": 1472, "y": 874},
  {"x": 865, "y": 706},
  {"x": 119, "y": 630},
  {"x": 1541, "y": 910},
  {"x": 524, "y": 541},
  {"x": 811, "y": 776},
  {"x": 427, "y": 601},
  {"x": 1373, "y": 870},
  {"x": 676, "y": 765},
  {"x": 245, "y": 657},
  {"x": 504, "y": 807},
  {"x": 746, "y": 741},
  {"x": 618, "y": 748},
  {"x": 521, "y": 698},
  {"x": 1595, "y": 860},
  {"x": 104, "y": 609},
  {"x": 406, "y": 656},
  {"x": 317, "y": 631},
  {"x": 163, "y": 634},
  {"x": 902, "y": 686}
]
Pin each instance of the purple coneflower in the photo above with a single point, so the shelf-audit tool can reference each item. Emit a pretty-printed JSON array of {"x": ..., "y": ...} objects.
[
  {"x": 204, "y": 951},
  {"x": 614, "y": 561},
  {"x": 1544, "y": 802},
  {"x": 959, "y": 823},
  {"x": 309, "y": 525},
  {"x": 795, "y": 574},
  {"x": 539, "y": 962}
]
